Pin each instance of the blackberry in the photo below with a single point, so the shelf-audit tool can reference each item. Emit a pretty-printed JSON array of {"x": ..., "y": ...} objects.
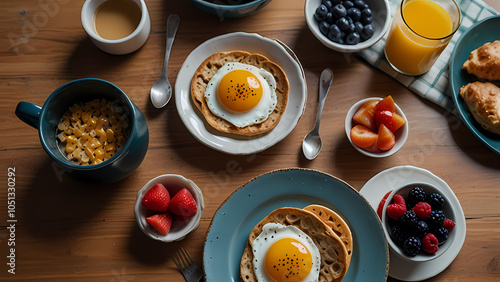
[
  {"x": 398, "y": 235},
  {"x": 421, "y": 228},
  {"x": 435, "y": 219},
  {"x": 412, "y": 246},
  {"x": 436, "y": 201},
  {"x": 441, "y": 234},
  {"x": 409, "y": 219},
  {"x": 416, "y": 195}
]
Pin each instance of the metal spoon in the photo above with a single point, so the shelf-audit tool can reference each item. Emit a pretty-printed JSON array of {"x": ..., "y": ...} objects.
[
  {"x": 161, "y": 92},
  {"x": 311, "y": 145}
]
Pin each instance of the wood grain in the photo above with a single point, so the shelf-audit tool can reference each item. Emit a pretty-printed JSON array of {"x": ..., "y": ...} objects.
[{"x": 69, "y": 231}]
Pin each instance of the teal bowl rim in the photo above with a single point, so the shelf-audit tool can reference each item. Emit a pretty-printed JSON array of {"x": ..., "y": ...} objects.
[
  {"x": 107, "y": 162},
  {"x": 229, "y": 7}
]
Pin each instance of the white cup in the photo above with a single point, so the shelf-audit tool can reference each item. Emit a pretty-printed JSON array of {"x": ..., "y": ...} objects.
[{"x": 121, "y": 46}]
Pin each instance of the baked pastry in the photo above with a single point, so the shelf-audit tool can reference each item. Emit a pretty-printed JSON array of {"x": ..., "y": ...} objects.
[
  {"x": 333, "y": 252},
  {"x": 206, "y": 71},
  {"x": 484, "y": 62},
  {"x": 483, "y": 99},
  {"x": 337, "y": 224}
]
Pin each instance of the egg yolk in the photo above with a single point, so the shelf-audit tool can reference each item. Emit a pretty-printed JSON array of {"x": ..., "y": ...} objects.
[
  {"x": 240, "y": 90},
  {"x": 288, "y": 260}
]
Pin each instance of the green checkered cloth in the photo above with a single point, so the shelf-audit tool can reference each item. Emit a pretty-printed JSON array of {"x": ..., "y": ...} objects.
[{"x": 432, "y": 85}]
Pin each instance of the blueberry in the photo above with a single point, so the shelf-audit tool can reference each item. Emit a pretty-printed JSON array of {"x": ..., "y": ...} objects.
[
  {"x": 343, "y": 23},
  {"x": 334, "y": 34},
  {"x": 366, "y": 12},
  {"x": 351, "y": 28},
  {"x": 339, "y": 11},
  {"x": 328, "y": 4},
  {"x": 359, "y": 4},
  {"x": 348, "y": 4},
  {"x": 329, "y": 18},
  {"x": 352, "y": 38},
  {"x": 368, "y": 32},
  {"x": 354, "y": 14},
  {"x": 321, "y": 12},
  {"x": 359, "y": 28},
  {"x": 335, "y": 2},
  {"x": 324, "y": 27},
  {"x": 366, "y": 20}
]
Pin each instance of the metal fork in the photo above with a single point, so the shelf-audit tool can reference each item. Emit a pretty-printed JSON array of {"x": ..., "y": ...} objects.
[{"x": 189, "y": 269}]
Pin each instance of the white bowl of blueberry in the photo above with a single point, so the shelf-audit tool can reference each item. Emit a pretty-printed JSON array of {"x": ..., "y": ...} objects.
[
  {"x": 419, "y": 222},
  {"x": 348, "y": 25}
]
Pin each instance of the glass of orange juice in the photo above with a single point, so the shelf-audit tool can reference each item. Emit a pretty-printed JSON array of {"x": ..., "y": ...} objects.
[{"x": 420, "y": 31}]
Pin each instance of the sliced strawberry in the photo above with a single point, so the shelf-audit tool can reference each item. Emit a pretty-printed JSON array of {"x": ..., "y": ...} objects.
[
  {"x": 365, "y": 115},
  {"x": 382, "y": 203},
  {"x": 161, "y": 222},
  {"x": 183, "y": 203},
  {"x": 363, "y": 136},
  {"x": 386, "y": 139},
  {"x": 157, "y": 198},
  {"x": 386, "y": 104},
  {"x": 384, "y": 117}
]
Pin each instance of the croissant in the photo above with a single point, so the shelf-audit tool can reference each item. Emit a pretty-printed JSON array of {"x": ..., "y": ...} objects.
[
  {"x": 484, "y": 62},
  {"x": 483, "y": 100}
]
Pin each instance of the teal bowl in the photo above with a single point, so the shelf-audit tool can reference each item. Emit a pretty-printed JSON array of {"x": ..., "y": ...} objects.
[
  {"x": 45, "y": 119},
  {"x": 230, "y": 11},
  {"x": 481, "y": 32}
]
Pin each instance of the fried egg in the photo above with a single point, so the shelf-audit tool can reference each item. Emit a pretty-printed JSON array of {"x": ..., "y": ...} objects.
[
  {"x": 285, "y": 253},
  {"x": 241, "y": 94}
]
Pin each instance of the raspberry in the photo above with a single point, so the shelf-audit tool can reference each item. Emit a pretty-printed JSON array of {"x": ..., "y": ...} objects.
[
  {"x": 422, "y": 209},
  {"x": 435, "y": 219},
  {"x": 416, "y": 195},
  {"x": 396, "y": 211},
  {"x": 436, "y": 201},
  {"x": 409, "y": 219},
  {"x": 430, "y": 243},
  {"x": 448, "y": 224},
  {"x": 420, "y": 229},
  {"x": 441, "y": 234},
  {"x": 398, "y": 199},
  {"x": 412, "y": 246}
]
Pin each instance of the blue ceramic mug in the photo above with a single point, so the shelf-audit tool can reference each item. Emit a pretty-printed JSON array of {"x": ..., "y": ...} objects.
[{"x": 47, "y": 118}]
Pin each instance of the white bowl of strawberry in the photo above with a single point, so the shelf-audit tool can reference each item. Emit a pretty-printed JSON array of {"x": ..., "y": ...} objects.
[
  {"x": 418, "y": 221},
  {"x": 169, "y": 207},
  {"x": 376, "y": 127}
]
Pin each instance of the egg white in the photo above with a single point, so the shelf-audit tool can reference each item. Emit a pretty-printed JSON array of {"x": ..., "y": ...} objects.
[
  {"x": 272, "y": 232},
  {"x": 257, "y": 114}
]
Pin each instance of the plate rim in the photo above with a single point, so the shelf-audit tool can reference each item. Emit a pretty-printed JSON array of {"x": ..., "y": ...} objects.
[
  {"x": 255, "y": 146},
  {"x": 461, "y": 109},
  {"x": 297, "y": 169}
]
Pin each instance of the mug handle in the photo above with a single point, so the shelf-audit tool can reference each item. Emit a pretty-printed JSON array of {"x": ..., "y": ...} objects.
[{"x": 29, "y": 113}]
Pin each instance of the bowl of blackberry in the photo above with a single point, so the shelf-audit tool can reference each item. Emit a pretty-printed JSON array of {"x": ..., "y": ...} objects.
[
  {"x": 348, "y": 25},
  {"x": 418, "y": 222}
]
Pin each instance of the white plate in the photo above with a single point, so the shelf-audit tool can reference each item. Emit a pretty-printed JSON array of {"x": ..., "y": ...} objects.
[
  {"x": 233, "y": 144},
  {"x": 387, "y": 180}
]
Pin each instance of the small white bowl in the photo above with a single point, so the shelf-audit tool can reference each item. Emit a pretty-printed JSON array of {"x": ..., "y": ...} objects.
[
  {"x": 448, "y": 211},
  {"x": 178, "y": 230},
  {"x": 381, "y": 23},
  {"x": 401, "y": 134},
  {"x": 121, "y": 46}
]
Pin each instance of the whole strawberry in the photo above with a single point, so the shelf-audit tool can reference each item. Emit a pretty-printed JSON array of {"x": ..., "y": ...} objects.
[
  {"x": 183, "y": 204},
  {"x": 157, "y": 198},
  {"x": 161, "y": 222}
]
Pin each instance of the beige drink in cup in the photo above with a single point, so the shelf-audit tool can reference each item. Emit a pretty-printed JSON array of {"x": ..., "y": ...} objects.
[{"x": 420, "y": 31}]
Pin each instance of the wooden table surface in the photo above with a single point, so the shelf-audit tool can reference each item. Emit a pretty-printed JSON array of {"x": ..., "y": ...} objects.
[{"x": 70, "y": 231}]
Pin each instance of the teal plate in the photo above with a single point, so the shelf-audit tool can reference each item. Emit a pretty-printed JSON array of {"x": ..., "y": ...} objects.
[
  {"x": 481, "y": 32},
  {"x": 249, "y": 204}
]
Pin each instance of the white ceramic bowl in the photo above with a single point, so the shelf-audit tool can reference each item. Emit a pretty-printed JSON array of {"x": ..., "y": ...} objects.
[
  {"x": 381, "y": 23},
  {"x": 178, "y": 230},
  {"x": 121, "y": 46},
  {"x": 448, "y": 210},
  {"x": 401, "y": 134}
]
